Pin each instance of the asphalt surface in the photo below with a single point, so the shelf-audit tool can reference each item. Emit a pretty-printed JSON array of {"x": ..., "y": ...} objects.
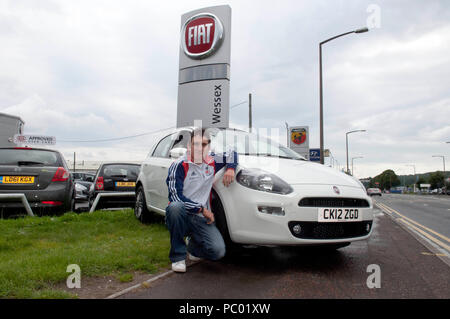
[
  {"x": 408, "y": 270},
  {"x": 432, "y": 211}
]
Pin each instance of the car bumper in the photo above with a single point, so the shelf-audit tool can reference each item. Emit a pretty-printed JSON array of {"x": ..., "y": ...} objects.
[
  {"x": 248, "y": 225},
  {"x": 55, "y": 192}
]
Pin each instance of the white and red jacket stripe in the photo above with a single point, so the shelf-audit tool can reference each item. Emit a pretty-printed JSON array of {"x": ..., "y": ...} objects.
[{"x": 191, "y": 183}]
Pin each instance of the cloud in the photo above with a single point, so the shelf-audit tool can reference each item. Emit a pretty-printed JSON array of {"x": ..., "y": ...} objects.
[{"x": 95, "y": 70}]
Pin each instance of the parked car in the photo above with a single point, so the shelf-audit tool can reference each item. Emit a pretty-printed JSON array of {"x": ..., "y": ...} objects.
[
  {"x": 278, "y": 198},
  {"x": 114, "y": 178},
  {"x": 84, "y": 177},
  {"x": 374, "y": 192},
  {"x": 41, "y": 174}
]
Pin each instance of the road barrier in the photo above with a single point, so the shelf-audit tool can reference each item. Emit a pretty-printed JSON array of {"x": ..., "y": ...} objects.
[
  {"x": 112, "y": 194},
  {"x": 22, "y": 198}
]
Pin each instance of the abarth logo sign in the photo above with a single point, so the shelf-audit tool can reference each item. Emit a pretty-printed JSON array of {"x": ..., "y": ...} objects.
[
  {"x": 298, "y": 136},
  {"x": 201, "y": 35}
]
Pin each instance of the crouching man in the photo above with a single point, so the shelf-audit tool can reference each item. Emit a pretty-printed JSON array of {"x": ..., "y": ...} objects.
[{"x": 189, "y": 182}]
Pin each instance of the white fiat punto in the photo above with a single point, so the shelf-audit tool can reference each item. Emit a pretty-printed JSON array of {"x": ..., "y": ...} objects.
[{"x": 278, "y": 197}]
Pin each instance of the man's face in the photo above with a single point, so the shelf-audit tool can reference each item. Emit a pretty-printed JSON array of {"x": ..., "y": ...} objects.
[{"x": 199, "y": 148}]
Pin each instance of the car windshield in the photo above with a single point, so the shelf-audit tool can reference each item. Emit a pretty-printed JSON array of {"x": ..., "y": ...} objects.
[
  {"x": 245, "y": 143},
  {"x": 121, "y": 170},
  {"x": 30, "y": 157}
]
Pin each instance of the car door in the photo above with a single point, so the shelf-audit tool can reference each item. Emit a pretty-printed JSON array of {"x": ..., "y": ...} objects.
[{"x": 155, "y": 170}]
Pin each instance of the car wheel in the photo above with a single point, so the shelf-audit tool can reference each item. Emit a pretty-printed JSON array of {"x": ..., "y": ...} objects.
[
  {"x": 221, "y": 223},
  {"x": 140, "y": 208}
]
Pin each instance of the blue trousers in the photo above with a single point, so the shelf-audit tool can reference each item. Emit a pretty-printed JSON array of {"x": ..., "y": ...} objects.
[{"x": 205, "y": 239}]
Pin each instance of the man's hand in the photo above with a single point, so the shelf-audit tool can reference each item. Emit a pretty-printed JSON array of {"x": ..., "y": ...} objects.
[
  {"x": 208, "y": 215},
  {"x": 228, "y": 177}
]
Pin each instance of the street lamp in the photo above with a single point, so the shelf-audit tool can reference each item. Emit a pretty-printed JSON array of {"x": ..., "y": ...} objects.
[
  {"x": 415, "y": 178},
  {"x": 353, "y": 172},
  {"x": 361, "y": 30},
  {"x": 443, "y": 161},
  {"x": 346, "y": 143}
]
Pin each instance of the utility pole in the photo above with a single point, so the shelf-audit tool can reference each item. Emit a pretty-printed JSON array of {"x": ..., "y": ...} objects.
[
  {"x": 287, "y": 134},
  {"x": 74, "y": 159},
  {"x": 250, "y": 112}
]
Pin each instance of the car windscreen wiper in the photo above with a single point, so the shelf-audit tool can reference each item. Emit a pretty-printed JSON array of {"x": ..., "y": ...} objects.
[
  {"x": 118, "y": 175},
  {"x": 29, "y": 163}
]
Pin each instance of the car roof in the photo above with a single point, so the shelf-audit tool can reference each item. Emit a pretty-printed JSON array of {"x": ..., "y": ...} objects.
[{"x": 29, "y": 148}]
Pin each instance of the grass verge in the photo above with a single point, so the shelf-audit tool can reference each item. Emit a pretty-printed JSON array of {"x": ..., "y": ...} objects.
[{"x": 35, "y": 252}]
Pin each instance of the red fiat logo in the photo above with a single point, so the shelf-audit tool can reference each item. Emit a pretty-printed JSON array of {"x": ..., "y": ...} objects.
[{"x": 201, "y": 35}]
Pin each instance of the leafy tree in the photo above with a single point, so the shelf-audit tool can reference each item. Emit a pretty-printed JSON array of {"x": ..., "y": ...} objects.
[
  {"x": 387, "y": 179},
  {"x": 436, "y": 180},
  {"x": 421, "y": 180}
]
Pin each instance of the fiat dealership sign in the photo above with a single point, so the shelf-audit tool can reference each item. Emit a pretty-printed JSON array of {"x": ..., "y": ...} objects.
[
  {"x": 201, "y": 35},
  {"x": 204, "y": 71}
]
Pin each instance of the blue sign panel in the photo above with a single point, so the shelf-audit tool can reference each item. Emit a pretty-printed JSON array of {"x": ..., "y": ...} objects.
[{"x": 314, "y": 154}]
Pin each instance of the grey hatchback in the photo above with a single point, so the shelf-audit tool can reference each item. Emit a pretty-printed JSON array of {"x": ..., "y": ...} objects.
[{"x": 41, "y": 174}]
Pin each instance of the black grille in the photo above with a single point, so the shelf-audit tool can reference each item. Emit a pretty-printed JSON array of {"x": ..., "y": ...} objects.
[
  {"x": 333, "y": 202},
  {"x": 316, "y": 230}
]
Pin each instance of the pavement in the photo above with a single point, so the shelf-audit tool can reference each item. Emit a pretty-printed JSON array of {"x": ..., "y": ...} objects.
[{"x": 407, "y": 267}]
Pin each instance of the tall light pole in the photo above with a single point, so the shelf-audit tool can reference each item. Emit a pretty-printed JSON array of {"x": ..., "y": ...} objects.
[
  {"x": 346, "y": 143},
  {"x": 443, "y": 161},
  {"x": 250, "y": 112},
  {"x": 287, "y": 134},
  {"x": 415, "y": 179},
  {"x": 353, "y": 172},
  {"x": 362, "y": 30}
]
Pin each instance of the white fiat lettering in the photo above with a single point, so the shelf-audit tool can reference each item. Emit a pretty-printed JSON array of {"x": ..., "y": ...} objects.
[{"x": 200, "y": 33}]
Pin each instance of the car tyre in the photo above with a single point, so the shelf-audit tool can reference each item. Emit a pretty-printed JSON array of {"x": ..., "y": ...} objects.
[
  {"x": 221, "y": 223},
  {"x": 140, "y": 208}
]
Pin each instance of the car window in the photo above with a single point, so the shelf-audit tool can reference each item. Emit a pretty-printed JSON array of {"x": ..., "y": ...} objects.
[
  {"x": 121, "y": 170},
  {"x": 182, "y": 140},
  {"x": 162, "y": 150},
  {"x": 13, "y": 156}
]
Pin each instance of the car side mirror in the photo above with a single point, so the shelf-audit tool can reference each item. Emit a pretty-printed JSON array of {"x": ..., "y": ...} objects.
[{"x": 177, "y": 152}]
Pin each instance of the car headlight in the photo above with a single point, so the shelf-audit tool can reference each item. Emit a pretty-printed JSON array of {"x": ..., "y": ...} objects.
[{"x": 263, "y": 181}]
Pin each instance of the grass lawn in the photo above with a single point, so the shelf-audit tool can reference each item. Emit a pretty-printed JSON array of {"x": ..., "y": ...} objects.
[{"x": 35, "y": 251}]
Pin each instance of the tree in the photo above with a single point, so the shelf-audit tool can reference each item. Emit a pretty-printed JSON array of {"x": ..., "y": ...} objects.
[
  {"x": 436, "y": 180},
  {"x": 421, "y": 180},
  {"x": 387, "y": 179}
]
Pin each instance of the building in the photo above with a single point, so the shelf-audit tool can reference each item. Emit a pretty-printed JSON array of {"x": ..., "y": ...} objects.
[{"x": 9, "y": 126}]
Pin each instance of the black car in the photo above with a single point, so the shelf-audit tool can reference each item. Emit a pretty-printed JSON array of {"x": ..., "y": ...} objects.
[
  {"x": 41, "y": 174},
  {"x": 115, "y": 178}
]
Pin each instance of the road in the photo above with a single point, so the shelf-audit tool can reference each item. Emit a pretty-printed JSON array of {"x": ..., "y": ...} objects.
[
  {"x": 432, "y": 211},
  {"x": 408, "y": 268}
]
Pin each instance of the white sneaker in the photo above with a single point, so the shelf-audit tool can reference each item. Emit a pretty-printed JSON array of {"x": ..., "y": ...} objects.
[
  {"x": 194, "y": 258},
  {"x": 179, "y": 266}
]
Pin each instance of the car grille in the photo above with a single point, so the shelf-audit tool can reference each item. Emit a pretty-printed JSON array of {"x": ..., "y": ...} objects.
[
  {"x": 333, "y": 202},
  {"x": 316, "y": 230}
]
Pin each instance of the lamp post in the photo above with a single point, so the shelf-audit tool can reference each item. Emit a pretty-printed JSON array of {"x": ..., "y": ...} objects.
[
  {"x": 443, "y": 161},
  {"x": 346, "y": 143},
  {"x": 353, "y": 172},
  {"x": 361, "y": 30},
  {"x": 415, "y": 179}
]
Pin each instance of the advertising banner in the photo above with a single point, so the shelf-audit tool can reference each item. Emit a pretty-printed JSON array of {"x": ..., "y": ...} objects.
[{"x": 34, "y": 139}]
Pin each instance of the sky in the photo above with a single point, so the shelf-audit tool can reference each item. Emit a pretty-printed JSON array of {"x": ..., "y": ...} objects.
[{"x": 84, "y": 71}]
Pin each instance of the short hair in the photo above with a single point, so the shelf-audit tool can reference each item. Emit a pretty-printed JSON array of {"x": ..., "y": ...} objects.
[{"x": 203, "y": 132}]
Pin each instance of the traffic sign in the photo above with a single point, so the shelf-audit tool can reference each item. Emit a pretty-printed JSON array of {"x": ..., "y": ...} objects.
[{"x": 314, "y": 154}]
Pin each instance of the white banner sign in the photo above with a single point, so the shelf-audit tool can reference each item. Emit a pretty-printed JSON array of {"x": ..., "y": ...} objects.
[{"x": 34, "y": 139}]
